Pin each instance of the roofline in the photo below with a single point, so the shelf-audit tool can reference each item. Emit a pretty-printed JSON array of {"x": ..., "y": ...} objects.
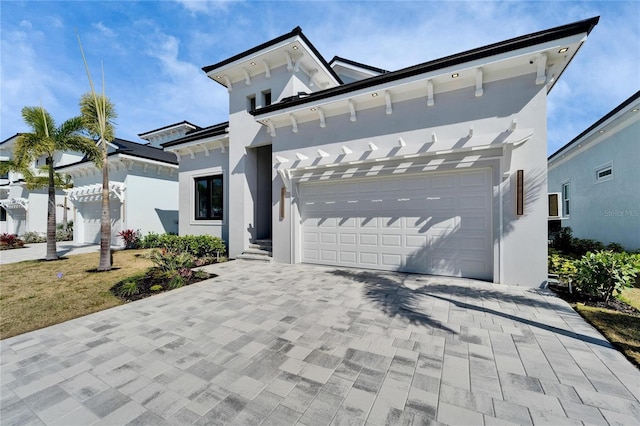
[
  {"x": 11, "y": 137},
  {"x": 168, "y": 127},
  {"x": 123, "y": 154},
  {"x": 470, "y": 55},
  {"x": 357, "y": 64},
  {"x": 297, "y": 31},
  {"x": 597, "y": 124},
  {"x": 216, "y": 130}
]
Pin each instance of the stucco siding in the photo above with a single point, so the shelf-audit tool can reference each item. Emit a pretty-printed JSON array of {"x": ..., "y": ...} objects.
[
  {"x": 520, "y": 245},
  {"x": 609, "y": 210},
  {"x": 201, "y": 165}
]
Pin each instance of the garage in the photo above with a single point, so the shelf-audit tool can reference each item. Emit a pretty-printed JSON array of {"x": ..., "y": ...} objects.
[
  {"x": 91, "y": 217},
  {"x": 433, "y": 223}
]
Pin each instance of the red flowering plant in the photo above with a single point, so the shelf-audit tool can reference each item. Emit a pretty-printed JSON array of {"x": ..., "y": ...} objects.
[{"x": 130, "y": 237}]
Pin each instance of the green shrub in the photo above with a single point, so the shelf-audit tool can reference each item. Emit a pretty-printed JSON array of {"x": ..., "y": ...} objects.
[
  {"x": 176, "y": 282},
  {"x": 34, "y": 237},
  {"x": 615, "y": 247},
  {"x": 604, "y": 273},
  {"x": 562, "y": 266},
  {"x": 151, "y": 240},
  {"x": 62, "y": 235},
  {"x": 156, "y": 287},
  {"x": 582, "y": 246},
  {"x": 128, "y": 287},
  {"x": 170, "y": 261},
  {"x": 563, "y": 239}
]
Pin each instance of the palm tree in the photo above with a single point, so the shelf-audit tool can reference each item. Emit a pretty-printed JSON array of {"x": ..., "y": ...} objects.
[
  {"x": 98, "y": 113},
  {"x": 46, "y": 139}
]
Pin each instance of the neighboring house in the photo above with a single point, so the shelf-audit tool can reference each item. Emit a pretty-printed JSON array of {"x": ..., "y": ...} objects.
[
  {"x": 438, "y": 168},
  {"x": 595, "y": 178},
  {"x": 21, "y": 209},
  {"x": 143, "y": 191}
]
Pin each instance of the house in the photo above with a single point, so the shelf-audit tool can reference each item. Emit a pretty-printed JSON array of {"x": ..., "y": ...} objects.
[
  {"x": 438, "y": 168},
  {"x": 143, "y": 190},
  {"x": 25, "y": 210},
  {"x": 596, "y": 178}
]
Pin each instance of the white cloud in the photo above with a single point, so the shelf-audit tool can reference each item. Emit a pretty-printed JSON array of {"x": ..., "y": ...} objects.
[
  {"x": 108, "y": 32},
  {"x": 205, "y": 6},
  {"x": 26, "y": 24}
]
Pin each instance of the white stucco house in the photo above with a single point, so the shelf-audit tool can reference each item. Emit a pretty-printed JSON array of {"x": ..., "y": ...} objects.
[
  {"x": 143, "y": 191},
  {"x": 438, "y": 168},
  {"x": 21, "y": 209},
  {"x": 596, "y": 178}
]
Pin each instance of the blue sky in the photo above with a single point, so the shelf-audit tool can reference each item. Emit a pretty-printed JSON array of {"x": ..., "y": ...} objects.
[{"x": 153, "y": 51}]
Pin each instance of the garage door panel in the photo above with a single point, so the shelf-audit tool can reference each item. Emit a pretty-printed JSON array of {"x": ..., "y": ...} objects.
[
  {"x": 368, "y": 240},
  {"x": 435, "y": 224},
  {"x": 349, "y": 257},
  {"x": 329, "y": 255},
  {"x": 391, "y": 260},
  {"x": 474, "y": 180},
  {"x": 348, "y": 222},
  {"x": 369, "y": 258},
  {"x": 443, "y": 181},
  {"x": 391, "y": 240},
  {"x": 329, "y": 238}
]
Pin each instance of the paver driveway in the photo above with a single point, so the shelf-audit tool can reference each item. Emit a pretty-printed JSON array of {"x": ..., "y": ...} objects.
[{"x": 299, "y": 344}]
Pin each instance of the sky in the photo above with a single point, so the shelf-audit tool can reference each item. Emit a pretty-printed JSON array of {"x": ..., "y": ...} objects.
[{"x": 152, "y": 52}]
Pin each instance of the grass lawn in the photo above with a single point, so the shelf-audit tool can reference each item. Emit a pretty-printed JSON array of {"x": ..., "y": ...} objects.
[
  {"x": 623, "y": 330},
  {"x": 32, "y": 296}
]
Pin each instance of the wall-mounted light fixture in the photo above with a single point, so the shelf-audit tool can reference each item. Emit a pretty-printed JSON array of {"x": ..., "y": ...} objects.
[
  {"x": 283, "y": 193},
  {"x": 520, "y": 192}
]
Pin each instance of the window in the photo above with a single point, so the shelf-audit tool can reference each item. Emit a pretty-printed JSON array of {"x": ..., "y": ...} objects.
[
  {"x": 565, "y": 199},
  {"x": 209, "y": 198},
  {"x": 555, "y": 208},
  {"x": 266, "y": 98},
  {"x": 604, "y": 173},
  {"x": 251, "y": 103},
  {"x": 3, "y": 214}
]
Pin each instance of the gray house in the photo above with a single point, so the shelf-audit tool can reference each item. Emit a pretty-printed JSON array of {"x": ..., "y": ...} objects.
[
  {"x": 143, "y": 192},
  {"x": 438, "y": 168},
  {"x": 595, "y": 179}
]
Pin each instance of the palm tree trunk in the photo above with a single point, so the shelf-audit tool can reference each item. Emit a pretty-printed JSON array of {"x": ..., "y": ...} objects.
[
  {"x": 52, "y": 252},
  {"x": 105, "y": 222}
]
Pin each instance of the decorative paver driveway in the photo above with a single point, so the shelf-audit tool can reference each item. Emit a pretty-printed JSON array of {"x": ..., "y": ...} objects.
[{"x": 298, "y": 344}]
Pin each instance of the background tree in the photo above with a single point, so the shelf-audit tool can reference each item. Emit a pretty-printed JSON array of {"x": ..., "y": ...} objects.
[
  {"x": 98, "y": 113},
  {"x": 44, "y": 140}
]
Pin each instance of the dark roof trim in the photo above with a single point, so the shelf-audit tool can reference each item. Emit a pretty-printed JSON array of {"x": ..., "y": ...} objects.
[
  {"x": 168, "y": 127},
  {"x": 133, "y": 149},
  {"x": 297, "y": 31},
  {"x": 470, "y": 55},
  {"x": 10, "y": 137},
  {"x": 207, "y": 132},
  {"x": 357, "y": 64},
  {"x": 595, "y": 125}
]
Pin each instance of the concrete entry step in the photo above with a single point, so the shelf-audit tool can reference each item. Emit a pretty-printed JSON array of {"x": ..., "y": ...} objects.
[
  {"x": 258, "y": 257},
  {"x": 258, "y": 250}
]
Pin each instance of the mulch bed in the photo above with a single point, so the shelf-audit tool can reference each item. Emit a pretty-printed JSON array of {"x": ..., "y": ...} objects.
[{"x": 598, "y": 302}]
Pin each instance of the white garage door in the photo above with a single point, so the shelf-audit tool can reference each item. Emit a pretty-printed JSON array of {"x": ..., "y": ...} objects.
[
  {"x": 432, "y": 223},
  {"x": 91, "y": 214}
]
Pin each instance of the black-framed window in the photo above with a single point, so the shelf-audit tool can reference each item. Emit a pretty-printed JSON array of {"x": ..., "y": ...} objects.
[
  {"x": 209, "y": 198},
  {"x": 266, "y": 98},
  {"x": 3, "y": 214}
]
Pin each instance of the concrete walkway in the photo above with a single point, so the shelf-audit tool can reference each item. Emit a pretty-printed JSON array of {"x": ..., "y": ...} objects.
[
  {"x": 39, "y": 251},
  {"x": 281, "y": 345}
]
